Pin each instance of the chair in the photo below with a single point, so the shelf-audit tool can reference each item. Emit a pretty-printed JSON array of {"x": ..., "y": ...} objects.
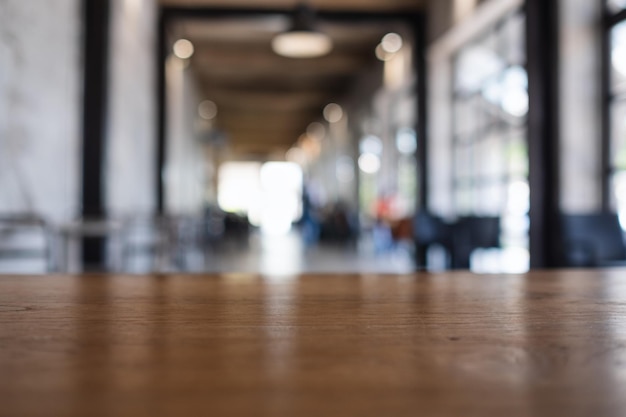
[
  {"x": 430, "y": 230},
  {"x": 188, "y": 242},
  {"x": 25, "y": 244},
  {"x": 592, "y": 240},
  {"x": 74, "y": 235},
  {"x": 146, "y": 243},
  {"x": 470, "y": 233}
]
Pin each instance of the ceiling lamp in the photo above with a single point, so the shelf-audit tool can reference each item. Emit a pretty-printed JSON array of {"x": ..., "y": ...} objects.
[
  {"x": 302, "y": 40},
  {"x": 183, "y": 49}
]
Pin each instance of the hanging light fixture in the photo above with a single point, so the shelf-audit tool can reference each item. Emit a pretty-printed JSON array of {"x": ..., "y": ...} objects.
[{"x": 302, "y": 40}]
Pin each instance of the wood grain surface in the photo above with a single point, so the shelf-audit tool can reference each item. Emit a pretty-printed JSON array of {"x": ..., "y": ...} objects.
[{"x": 450, "y": 344}]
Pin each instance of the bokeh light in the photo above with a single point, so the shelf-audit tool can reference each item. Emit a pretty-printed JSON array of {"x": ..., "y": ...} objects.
[
  {"x": 183, "y": 49},
  {"x": 333, "y": 113},
  {"x": 207, "y": 110}
]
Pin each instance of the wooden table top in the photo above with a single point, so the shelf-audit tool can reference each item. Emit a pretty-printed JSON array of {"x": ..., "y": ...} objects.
[{"x": 449, "y": 344}]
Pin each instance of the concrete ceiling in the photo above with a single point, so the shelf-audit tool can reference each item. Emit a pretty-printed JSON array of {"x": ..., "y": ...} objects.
[
  {"x": 361, "y": 5},
  {"x": 265, "y": 102}
]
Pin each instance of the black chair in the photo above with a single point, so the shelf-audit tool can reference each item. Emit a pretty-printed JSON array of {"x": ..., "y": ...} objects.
[
  {"x": 592, "y": 240},
  {"x": 146, "y": 243},
  {"x": 470, "y": 233},
  {"x": 26, "y": 242},
  {"x": 75, "y": 234},
  {"x": 430, "y": 230}
]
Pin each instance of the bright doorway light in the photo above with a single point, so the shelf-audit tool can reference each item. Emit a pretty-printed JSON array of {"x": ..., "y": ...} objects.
[
  {"x": 239, "y": 188},
  {"x": 281, "y": 188}
]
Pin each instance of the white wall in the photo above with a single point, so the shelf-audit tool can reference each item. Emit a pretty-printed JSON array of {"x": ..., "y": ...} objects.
[
  {"x": 580, "y": 105},
  {"x": 185, "y": 170},
  {"x": 131, "y": 142},
  {"x": 40, "y": 102}
]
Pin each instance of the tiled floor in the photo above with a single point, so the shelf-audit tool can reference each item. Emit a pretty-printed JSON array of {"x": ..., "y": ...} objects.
[
  {"x": 259, "y": 253},
  {"x": 286, "y": 254}
]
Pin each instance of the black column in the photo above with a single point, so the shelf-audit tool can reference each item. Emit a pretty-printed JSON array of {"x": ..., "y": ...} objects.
[
  {"x": 96, "y": 63},
  {"x": 419, "y": 57},
  {"x": 421, "y": 128},
  {"x": 161, "y": 56},
  {"x": 543, "y": 133}
]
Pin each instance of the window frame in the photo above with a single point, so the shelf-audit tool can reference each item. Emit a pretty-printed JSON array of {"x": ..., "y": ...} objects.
[
  {"x": 469, "y": 182},
  {"x": 609, "y": 21}
]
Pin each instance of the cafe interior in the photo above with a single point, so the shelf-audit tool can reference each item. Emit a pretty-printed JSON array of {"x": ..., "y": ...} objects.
[
  {"x": 312, "y": 208},
  {"x": 285, "y": 136}
]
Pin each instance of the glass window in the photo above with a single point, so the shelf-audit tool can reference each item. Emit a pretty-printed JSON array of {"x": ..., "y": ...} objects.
[
  {"x": 517, "y": 154},
  {"x": 475, "y": 65},
  {"x": 490, "y": 198},
  {"x": 463, "y": 196},
  {"x": 618, "y": 135},
  {"x": 463, "y": 161},
  {"x": 465, "y": 122},
  {"x": 490, "y": 105},
  {"x": 513, "y": 42},
  {"x": 618, "y": 58},
  {"x": 616, "y": 108},
  {"x": 490, "y": 157}
]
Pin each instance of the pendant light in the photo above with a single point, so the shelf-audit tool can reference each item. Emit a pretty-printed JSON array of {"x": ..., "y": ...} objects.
[{"x": 302, "y": 40}]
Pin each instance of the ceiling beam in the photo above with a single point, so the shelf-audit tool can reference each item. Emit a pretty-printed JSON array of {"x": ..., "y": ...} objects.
[
  {"x": 266, "y": 102},
  {"x": 277, "y": 84},
  {"x": 237, "y": 64},
  {"x": 342, "y": 10}
]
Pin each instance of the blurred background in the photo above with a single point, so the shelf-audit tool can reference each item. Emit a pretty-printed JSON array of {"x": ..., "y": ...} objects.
[{"x": 321, "y": 136}]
